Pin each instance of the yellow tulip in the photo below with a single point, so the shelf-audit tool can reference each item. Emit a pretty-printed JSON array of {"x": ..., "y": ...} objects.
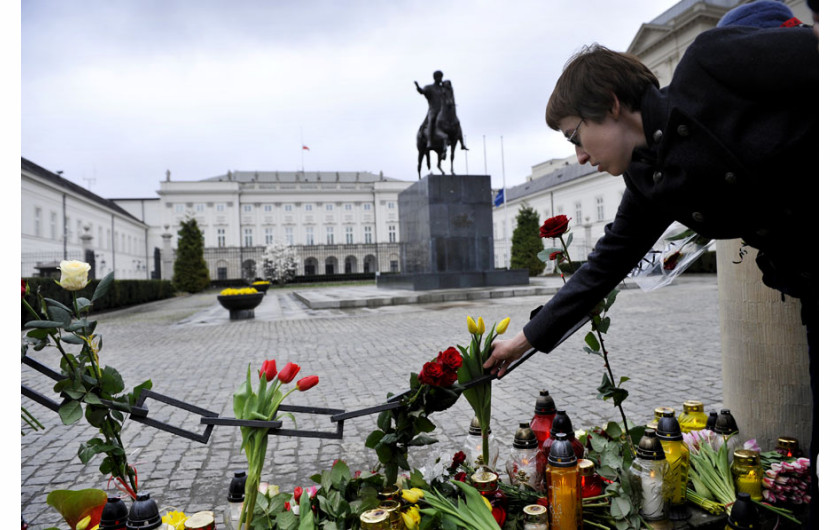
[
  {"x": 176, "y": 519},
  {"x": 501, "y": 327},
  {"x": 411, "y": 518},
  {"x": 480, "y": 326},
  {"x": 83, "y": 524},
  {"x": 412, "y": 495},
  {"x": 471, "y": 326}
]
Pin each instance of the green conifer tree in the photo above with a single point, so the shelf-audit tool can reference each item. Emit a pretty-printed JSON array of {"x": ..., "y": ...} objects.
[
  {"x": 191, "y": 272},
  {"x": 526, "y": 242}
]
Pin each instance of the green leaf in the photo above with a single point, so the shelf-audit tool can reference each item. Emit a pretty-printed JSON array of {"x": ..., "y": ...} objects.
[
  {"x": 604, "y": 325},
  {"x": 71, "y": 339},
  {"x": 340, "y": 473},
  {"x": 96, "y": 415},
  {"x": 611, "y": 299},
  {"x": 103, "y": 286},
  {"x": 92, "y": 399},
  {"x": 373, "y": 439},
  {"x": 613, "y": 429},
  {"x": 59, "y": 314},
  {"x": 262, "y": 502},
  {"x": 112, "y": 381},
  {"x": 569, "y": 239},
  {"x": 620, "y": 507},
  {"x": 39, "y": 334},
  {"x": 422, "y": 439},
  {"x": 82, "y": 303},
  {"x": 384, "y": 420},
  {"x": 70, "y": 412},
  {"x": 592, "y": 341},
  {"x": 42, "y": 324},
  {"x": 307, "y": 519},
  {"x": 424, "y": 424}
]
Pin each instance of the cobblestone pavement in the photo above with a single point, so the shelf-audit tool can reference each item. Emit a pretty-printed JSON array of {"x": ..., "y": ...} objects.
[{"x": 666, "y": 341}]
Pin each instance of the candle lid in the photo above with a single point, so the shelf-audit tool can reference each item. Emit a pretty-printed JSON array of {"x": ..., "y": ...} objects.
[
  {"x": 658, "y": 412},
  {"x": 545, "y": 404},
  {"x": 746, "y": 456},
  {"x": 725, "y": 423},
  {"x": 562, "y": 423},
  {"x": 534, "y": 513},
  {"x": 475, "y": 427},
  {"x": 710, "y": 423},
  {"x": 484, "y": 479},
  {"x": 587, "y": 467},
  {"x": 649, "y": 447},
  {"x": 744, "y": 512},
  {"x": 693, "y": 406},
  {"x": 668, "y": 428},
  {"x": 236, "y": 491},
  {"x": 562, "y": 454},
  {"x": 524, "y": 437},
  {"x": 389, "y": 492},
  {"x": 787, "y": 445},
  {"x": 377, "y": 515}
]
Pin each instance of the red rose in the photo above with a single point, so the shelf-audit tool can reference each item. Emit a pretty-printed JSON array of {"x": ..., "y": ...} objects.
[
  {"x": 298, "y": 493},
  {"x": 288, "y": 373},
  {"x": 287, "y": 506},
  {"x": 671, "y": 261},
  {"x": 431, "y": 374},
  {"x": 543, "y": 501},
  {"x": 558, "y": 254},
  {"x": 22, "y": 287},
  {"x": 555, "y": 226},
  {"x": 461, "y": 476},
  {"x": 269, "y": 369},
  {"x": 357, "y": 474},
  {"x": 458, "y": 459},
  {"x": 450, "y": 358},
  {"x": 305, "y": 383},
  {"x": 448, "y": 378}
]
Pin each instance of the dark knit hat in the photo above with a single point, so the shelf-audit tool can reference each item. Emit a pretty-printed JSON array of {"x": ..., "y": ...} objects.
[
  {"x": 760, "y": 14},
  {"x": 814, "y": 5}
]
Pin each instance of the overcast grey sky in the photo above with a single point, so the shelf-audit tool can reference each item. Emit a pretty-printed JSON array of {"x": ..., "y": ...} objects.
[{"x": 122, "y": 91}]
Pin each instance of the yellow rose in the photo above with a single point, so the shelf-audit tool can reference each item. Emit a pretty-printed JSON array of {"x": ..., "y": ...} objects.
[
  {"x": 471, "y": 327},
  {"x": 502, "y": 326},
  {"x": 74, "y": 275},
  {"x": 411, "y": 518},
  {"x": 412, "y": 495},
  {"x": 480, "y": 326}
]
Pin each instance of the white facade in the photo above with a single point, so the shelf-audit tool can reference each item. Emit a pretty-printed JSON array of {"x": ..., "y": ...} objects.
[
  {"x": 590, "y": 197},
  {"x": 338, "y": 222},
  {"x": 59, "y": 219}
]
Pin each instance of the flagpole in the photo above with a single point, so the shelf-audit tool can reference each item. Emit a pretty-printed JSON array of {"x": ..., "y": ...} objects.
[{"x": 504, "y": 198}]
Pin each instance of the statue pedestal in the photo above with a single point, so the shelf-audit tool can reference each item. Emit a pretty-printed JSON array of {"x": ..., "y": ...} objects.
[{"x": 446, "y": 235}]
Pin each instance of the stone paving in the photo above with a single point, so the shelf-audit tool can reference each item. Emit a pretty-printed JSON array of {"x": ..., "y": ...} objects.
[{"x": 667, "y": 341}]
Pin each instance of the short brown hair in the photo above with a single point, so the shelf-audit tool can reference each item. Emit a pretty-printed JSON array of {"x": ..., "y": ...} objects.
[{"x": 589, "y": 80}]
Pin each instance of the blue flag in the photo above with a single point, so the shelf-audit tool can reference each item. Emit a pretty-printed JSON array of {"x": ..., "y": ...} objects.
[{"x": 500, "y": 198}]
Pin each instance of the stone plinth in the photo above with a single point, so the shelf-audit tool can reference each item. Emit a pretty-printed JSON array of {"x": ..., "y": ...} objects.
[{"x": 446, "y": 231}]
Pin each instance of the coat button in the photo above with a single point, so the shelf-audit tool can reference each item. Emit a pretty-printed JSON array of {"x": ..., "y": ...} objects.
[
  {"x": 657, "y": 135},
  {"x": 699, "y": 217},
  {"x": 730, "y": 178},
  {"x": 682, "y": 130},
  {"x": 657, "y": 176}
]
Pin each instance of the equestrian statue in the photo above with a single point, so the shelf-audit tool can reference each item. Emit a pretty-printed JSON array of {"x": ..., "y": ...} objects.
[{"x": 441, "y": 128}]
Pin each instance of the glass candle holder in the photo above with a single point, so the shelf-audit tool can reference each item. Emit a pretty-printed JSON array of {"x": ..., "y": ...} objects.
[
  {"x": 647, "y": 478},
  {"x": 544, "y": 412},
  {"x": 693, "y": 418},
  {"x": 565, "y": 499},
  {"x": 521, "y": 465}
]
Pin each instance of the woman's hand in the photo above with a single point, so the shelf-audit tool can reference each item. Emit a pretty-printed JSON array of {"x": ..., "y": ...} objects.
[{"x": 505, "y": 352}]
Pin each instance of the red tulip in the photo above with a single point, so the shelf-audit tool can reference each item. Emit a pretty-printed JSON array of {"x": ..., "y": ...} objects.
[
  {"x": 298, "y": 493},
  {"x": 269, "y": 369},
  {"x": 22, "y": 287},
  {"x": 288, "y": 507},
  {"x": 288, "y": 373},
  {"x": 305, "y": 383}
]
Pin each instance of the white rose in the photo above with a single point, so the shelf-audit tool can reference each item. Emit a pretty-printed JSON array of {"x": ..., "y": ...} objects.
[{"x": 74, "y": 275}]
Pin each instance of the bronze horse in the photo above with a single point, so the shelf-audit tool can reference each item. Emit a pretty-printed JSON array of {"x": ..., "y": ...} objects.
[{"x": 447, "y": 134}]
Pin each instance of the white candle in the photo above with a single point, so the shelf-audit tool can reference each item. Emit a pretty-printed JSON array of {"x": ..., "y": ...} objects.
[{"x": 653, "y": 502}]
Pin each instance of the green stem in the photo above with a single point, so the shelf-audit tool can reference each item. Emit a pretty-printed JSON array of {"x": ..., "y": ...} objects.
[{"x": 605, "y": 357}]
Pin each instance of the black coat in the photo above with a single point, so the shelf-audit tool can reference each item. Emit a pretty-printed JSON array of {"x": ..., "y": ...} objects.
[{"x": 733, "y": 153}]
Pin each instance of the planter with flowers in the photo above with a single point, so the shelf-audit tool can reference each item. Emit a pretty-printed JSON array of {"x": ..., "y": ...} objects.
[
  {"x": 261, "y": 285},
  {"x": 240, "y": 302}
]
